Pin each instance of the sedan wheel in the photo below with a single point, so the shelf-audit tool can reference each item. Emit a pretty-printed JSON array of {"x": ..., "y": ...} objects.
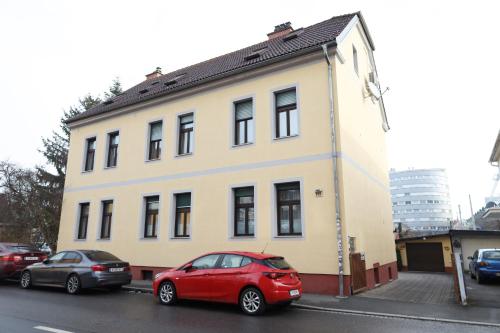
[
  {"x": 252, "y": 302},
  {"x": 25, "y": 280},
  {"x": 167, "y": 293},
  {"x": 73, "y": 285}
]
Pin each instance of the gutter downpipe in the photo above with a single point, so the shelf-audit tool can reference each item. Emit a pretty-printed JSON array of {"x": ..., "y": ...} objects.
[{"x": 338, "y": 220}]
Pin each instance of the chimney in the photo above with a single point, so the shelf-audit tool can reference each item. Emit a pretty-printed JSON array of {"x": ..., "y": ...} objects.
[
  {"x": 155, "y": 74},
  {"x": 280, "y": 30}
]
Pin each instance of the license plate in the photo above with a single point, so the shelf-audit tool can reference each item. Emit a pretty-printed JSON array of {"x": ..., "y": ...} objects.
[
  {"x": 30, "y": 258},
  {"x": 113, "y": 270},
  {"x": 294, "y": 292}
]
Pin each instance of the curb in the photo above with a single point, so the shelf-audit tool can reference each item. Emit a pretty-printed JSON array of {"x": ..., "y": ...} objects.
[
  {"x": 138, "y": 289},
  {"x": 392, "y": 315}
]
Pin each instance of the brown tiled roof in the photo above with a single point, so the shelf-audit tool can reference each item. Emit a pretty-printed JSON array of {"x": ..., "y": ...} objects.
[{"x": 307, "y": 40}]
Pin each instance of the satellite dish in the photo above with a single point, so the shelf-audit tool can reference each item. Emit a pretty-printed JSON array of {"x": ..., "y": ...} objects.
[{"x": 374, "y": 90}]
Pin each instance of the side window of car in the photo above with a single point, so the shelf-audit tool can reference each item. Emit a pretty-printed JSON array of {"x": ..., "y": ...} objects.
[
  {"x": 206, "y": 262},
  {"x": 56, "y": 258},
  {"x": 72, "y": 258},
  {"x": 246, "y": 261},
  {"x": 231, "y": 261}
]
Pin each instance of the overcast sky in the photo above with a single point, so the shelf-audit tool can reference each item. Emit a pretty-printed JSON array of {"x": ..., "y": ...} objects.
[{"x": 439, "y": 58}]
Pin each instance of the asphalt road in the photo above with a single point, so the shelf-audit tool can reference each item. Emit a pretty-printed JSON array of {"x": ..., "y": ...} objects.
[{"x": 102, "y": 311}]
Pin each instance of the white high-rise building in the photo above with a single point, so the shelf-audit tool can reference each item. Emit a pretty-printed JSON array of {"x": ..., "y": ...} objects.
[{"x": 421, "y": 199}]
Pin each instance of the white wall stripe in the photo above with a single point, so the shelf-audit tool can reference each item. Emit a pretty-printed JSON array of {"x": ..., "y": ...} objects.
[{"x": 228, "y": 169}]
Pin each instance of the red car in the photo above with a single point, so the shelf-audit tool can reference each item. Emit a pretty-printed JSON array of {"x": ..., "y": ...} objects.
[
  {"x": 15, "y": 257},
  {"x": 252, "y": 280}
]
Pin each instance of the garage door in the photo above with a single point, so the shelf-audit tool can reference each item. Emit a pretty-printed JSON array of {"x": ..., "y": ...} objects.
[{"x": 427, "y": 257}]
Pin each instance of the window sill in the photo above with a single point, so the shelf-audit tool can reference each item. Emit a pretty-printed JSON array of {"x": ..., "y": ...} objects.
[
  {"x": 289, "y": 236},
  {"x": 103, "y": 239},
  {"x": 286, "y": 137},
  {"x": 80, "y": 239},
  {"x": 85, "y": 172},
  {"x": 149, "y": 239},
  {"x": 243, "y": 237},
  {"x": 110, "y": 167},
  {"x": 183, "y": 155},
  {"x": 243, "y": 145},
  {"x": 181, "y": 238},
  {"x": 153, "y": 160}
]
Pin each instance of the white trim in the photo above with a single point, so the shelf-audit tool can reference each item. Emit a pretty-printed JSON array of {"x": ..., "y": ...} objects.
[
  {"x": 142, "y": 216},
  {"x": 273, "y": 92},
  {"x": 231, "y": 230},
  {"x": 232, "y": 117},
  {"x": 77, "y": 224},
  {"x": 340, "y": 56},
  {"x": 99, "y": 219},
  {"x": 173, "y": 208},
  {"x": 178, "y": 130},
  {"x": 340, "y": 38},
  {"x": 148, "y": 135},
  {"x": 106, "y": 149},
  {"x": 274, "y": 212},
  {"x": 206, "y": 172},
  {"x": 84, "y": 155}
]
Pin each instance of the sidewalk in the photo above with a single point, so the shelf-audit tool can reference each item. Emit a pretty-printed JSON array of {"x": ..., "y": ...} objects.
[{"x": 379, "y": 307}]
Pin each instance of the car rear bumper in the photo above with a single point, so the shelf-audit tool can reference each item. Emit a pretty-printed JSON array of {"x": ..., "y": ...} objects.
[
  {"x": 94, "y": 279},
  {"x": 489, "y": 272},
  {"x": 281, "y": 293}
]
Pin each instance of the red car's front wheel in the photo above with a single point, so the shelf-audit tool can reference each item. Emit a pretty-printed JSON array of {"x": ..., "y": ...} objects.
[
  {"x": 252, "y": 302},
  {"x": 167, "y": 294}
]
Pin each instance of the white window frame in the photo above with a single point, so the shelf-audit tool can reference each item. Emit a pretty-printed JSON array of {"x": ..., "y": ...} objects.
[
  {"x": 142, "y": 217},
  {"x": 99, "y": 219},
  {"x": 106, "y": 149},
  {"x": 84, "y": 155},
  {"x": 232, "y": 108},
  {"x": 148, "y": 136},
  {"x": 173, "y": 211},
  {"x": 231, "y": 207},
  {"x": 77, "y": 222},
  {"x": 273, "y": 92},
  {"x": 274, "y": 210},
  {"x": 178, "y": 130}
]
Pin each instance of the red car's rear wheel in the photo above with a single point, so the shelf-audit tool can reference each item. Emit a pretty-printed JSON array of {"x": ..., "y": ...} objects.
[{"x": 252, "y": 302}]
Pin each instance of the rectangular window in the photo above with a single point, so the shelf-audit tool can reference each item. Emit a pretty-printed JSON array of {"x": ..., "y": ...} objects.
[
  {"x": 151, "y": 219},
  {"x": 244, "y": 218},
  {"x": 355, "y": 59},
  {"x": 89, "y": 154},
  {"x": 113, "y": 140},
  {"x": 243, "y": 122},
  {"x": 83, "y": 221},
  {"x": 182, "y": 214},
  {"x": 155, "y": 134},
  {"x": 289, "y": 211},
  {"x": 186, "y": 133},
  {"x": 287, "y": 116},
  {"x": 107, "y": 213}
]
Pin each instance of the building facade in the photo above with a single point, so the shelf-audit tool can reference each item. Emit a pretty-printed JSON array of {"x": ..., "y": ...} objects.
[
  {"x": 421, "y": 199},
  {"x": 236, "y": 153}
]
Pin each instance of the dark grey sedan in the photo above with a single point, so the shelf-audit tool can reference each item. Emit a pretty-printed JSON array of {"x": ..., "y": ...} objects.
[{"x": 77, "y": 270}]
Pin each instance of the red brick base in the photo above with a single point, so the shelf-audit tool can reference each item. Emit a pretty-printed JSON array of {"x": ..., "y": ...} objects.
[{"x": 327, "y": 284}]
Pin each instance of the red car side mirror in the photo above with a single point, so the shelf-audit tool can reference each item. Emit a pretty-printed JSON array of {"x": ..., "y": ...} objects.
[{"x": 188, "y": 267}]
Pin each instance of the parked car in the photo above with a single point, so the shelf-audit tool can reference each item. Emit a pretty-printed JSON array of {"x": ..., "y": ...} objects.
[
  {"x": 484, "y": 264},
  {"x": 14, "y": 257},
  {"x": 77, "y": 270},
  {"x": 252, "y": 280}
]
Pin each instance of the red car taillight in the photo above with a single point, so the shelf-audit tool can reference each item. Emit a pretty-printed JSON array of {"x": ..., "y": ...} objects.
[
  {"x": 274, "y": 275},
  {"x": 7, "y": 258},
  {"x": 127, "y": 268},
  {"x": 98, "y": 268}
]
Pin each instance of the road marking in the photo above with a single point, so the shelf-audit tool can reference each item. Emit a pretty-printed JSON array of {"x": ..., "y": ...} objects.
[
  {"x": 392, "y": 315},
  {"x": 50, "y": 329}
]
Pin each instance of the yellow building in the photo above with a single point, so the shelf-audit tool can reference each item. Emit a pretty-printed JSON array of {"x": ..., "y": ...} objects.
[{"x": 245, "y": 151}]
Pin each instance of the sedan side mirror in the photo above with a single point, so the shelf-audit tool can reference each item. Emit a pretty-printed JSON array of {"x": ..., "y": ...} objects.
[
  {"x": 188, "y": 267},
  {"x": 46, "y": 261}
]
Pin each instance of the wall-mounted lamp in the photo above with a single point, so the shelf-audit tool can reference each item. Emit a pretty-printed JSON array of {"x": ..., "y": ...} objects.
[{"x": 318, "y": 192}]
